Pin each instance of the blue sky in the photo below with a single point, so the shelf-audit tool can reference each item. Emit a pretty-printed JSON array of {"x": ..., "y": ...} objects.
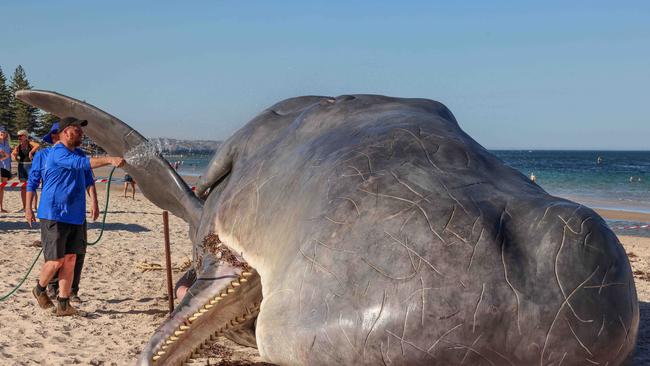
[{"x": 515, "y": 74}]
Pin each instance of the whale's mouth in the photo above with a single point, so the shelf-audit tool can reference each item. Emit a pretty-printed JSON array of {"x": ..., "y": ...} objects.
[{"x": 222, "y": 302}]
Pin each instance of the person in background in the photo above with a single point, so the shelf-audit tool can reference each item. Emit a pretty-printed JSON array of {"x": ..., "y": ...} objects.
[
  {"x": 5, "y": 162},
  {"x": 62, "y": 212},
  {"x": 129, "y": 180},
  {"x": 24, "y": 153}
]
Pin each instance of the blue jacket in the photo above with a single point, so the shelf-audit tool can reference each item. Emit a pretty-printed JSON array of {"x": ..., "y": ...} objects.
[{"x": 66, "y": 175}]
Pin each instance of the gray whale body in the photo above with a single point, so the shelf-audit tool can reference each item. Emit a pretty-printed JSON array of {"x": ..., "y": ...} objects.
[{"x": 375, "y": 231}]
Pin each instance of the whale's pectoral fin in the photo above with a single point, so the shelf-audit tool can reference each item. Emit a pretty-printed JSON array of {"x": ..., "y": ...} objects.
[
  {"x": 158, "y": 181},
  {"x": 219, "y": 168}
]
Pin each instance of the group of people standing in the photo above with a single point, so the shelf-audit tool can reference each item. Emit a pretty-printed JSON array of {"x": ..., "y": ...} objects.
[
  {"x": 66, "y": 176},
  {"x": 23, "y": 153}
]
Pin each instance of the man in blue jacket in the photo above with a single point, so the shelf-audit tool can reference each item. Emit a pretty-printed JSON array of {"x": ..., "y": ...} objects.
[
  {"x": 62, "y": 211},
  {"x": 33, "y": 182}
]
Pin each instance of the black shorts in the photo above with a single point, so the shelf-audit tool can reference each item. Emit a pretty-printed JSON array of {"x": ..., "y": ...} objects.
[
  {"x": 59, "y": 239},
  {"x": 128, "y": 178},
  {"x": 23, "y": 171},
  {"x": 4, "y": 173}
]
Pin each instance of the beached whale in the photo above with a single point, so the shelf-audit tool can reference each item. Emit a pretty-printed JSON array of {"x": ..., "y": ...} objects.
[{"x": 372, "y": 230}]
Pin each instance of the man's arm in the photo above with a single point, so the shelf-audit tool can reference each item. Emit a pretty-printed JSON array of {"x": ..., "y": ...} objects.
[
  {"x": 106, "y": 160},
  {"x": 35, "y": 146},
  {"x": 33, "y": 181},
  {"x": 94, "y": 206},
  {"x": 29, "y": 214},
  {"x": 34, "y": 178},
  {"x": 73, "y": 161},
  {"x": 92, "y": 192},
  {"x": 3, "y": 155}
]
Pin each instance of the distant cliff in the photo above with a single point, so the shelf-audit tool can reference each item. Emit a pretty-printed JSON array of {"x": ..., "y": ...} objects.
[{"x": 174, "y": 146}]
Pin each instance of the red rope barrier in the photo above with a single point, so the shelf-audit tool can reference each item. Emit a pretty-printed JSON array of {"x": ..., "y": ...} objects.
[{"x": 22, "y": 184}]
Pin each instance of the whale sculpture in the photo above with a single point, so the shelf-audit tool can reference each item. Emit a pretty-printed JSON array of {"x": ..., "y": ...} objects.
[{"x": 369, "y": 230}]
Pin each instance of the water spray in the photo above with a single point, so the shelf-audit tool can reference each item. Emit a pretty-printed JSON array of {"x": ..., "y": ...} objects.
[{"x": 139, "y": 155}]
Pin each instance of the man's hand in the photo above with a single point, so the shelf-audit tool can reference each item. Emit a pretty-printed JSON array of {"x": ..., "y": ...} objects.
[
  {"x": 94, "y": 211},
  {"x": 29, "y": 215},
  {"x": 117, "y": 162}
]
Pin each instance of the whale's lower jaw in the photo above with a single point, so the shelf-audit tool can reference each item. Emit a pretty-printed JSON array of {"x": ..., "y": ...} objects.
[{"x": 227, "y": 307}]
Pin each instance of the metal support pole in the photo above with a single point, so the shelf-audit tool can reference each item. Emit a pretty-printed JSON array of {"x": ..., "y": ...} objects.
[{"x": 168, "y": 262}]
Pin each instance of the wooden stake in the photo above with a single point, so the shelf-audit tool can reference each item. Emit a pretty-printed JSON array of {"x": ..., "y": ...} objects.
[{"x": 168, "y": 262}]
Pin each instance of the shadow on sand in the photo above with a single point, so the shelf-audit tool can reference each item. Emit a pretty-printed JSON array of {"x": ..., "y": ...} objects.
[
  {"x": 114, "y": 226},
  {"x": 118, "y": 226},
  {"x": 18, "y": 225}
]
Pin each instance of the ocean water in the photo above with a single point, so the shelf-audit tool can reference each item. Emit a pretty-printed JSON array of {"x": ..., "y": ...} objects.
[
  {"x": 191, "y": 164},
  {"x": 620, "y": 181}
]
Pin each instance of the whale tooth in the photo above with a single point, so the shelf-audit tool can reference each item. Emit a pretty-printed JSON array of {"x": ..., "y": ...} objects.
[
  {"x": 169, "y": 341},
  {"x": 247, "y": 274},
  {"x": 155, "y": 358},
  {"x": 160, "y": 353},
  {"x": 235, "y": 283},
  {"x": 243, "y": 280},
  {"x": 231, "y": 290},
  {"x": 223, "y": 294},
  {"x": 217, "y": 298},
  {"x": 208, "y": 306},
  {"x": 203, "y": 310},
  {"x": 179, "y": 332},
  {"x": 184, "y": 327},
  {"x": 173, "y": 338}
]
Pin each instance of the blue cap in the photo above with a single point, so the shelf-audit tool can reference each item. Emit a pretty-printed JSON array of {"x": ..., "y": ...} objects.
[{"x": 55, "y": 129}]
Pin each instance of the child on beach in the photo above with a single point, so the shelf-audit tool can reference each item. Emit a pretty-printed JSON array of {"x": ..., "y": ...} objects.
[{"x": 128, "y": 180}]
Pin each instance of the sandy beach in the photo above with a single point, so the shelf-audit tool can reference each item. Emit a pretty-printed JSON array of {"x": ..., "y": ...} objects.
[{"x": 124, "y": 290}]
